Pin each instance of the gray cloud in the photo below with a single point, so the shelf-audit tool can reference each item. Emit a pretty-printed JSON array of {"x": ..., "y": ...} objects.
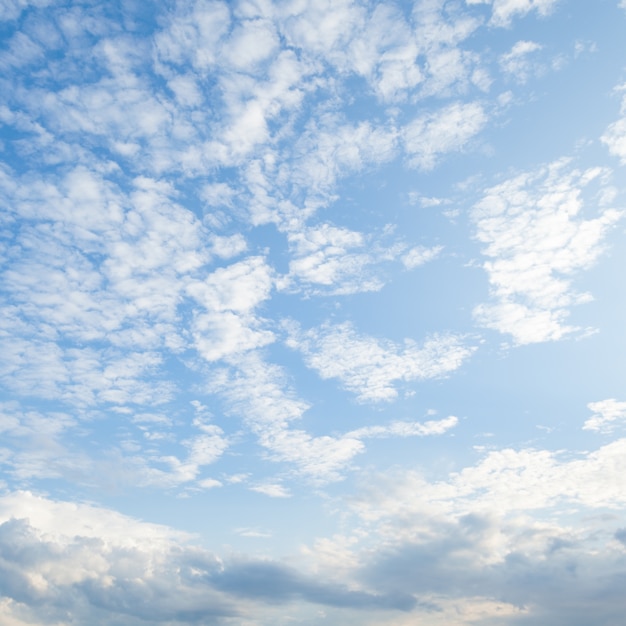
[{"x": 277, "y": 583}]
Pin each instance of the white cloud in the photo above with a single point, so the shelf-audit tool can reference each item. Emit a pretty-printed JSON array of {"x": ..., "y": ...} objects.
[
  {"x": 250, "y": 43},
  {"x": 332, "y": 148},
  {"x": 218, "y": 194},
  {"x": 607, "y": 415},
  {"x": 34, "y": 446},
  {"x": 73, "y": 563},
  {"x": 322, "y": 27},
  {"x": 335, "y": 260},
  {"x": 229, "y": 295},
  {"x": 186, "y": 90},
  {"x": 259, "y": 393},
  {"x": 227, "y": 247},
  {"x": 83, "y": 557},
  {"x": 615, "y": 135},
  {"x": 449, "y": 129},
  {"x": 273, "y": 490},
  {"x": 516, "y": 62},
  {"x": 209, "y": 483},
  {"x": 420, "y": 255},
  {"x": 222, "y": 334},
  {"x": 536, "y": 241},
  {"x": 82, "y": 377},
  {"x": 12, "y": 9},
  {"x": 498, "y": 534},
  {"x": 505, "y": 483},
  {"x": 43, "y": 446},
  {"x": 194, "y": 34},
  {"x": 320, "y": 458},
  {"x": 384, "y": 51},
  {"x": 505, "y": 10},
  {"x": 406, "y": 429},
  {"x": 370, "y": 367}
]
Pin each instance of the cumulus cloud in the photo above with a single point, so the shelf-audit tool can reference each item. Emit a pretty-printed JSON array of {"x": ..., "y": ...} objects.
[
  {"x": 504, "y": 539},
  {"x": 73, "y": 562}
]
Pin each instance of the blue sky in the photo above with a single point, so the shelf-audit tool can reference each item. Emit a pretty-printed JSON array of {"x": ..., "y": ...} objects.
[{"x": 312, "y": 312}]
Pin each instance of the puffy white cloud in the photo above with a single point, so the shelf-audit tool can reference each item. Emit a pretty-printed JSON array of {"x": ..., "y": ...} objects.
[
  {"x": 239, "y": 287},
  {"x": 536, "y": 240},
  {"x": 370, "y": 367},
  {"x": 322, "y": 27},
  {"x": 250, "y": 43},
  {"x": 229, "y": 295}
]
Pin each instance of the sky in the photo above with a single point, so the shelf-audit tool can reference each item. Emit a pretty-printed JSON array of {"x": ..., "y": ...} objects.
[{"x": 312, "y": 312}]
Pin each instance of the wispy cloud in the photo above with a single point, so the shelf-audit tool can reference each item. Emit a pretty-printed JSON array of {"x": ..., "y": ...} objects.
[
  {"x": 504, "y": 11},
  {"x": 371, "y": 368},
  {"x": 518, "y": 62},
  {"x": 430, "y": 136}
]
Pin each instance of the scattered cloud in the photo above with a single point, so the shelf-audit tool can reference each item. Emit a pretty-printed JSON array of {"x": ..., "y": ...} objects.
[
  {"x": 536, "y": 240},
  {"x": 607, "y": 415},
  {"x": 369, "y": 367},
  {"x": 406, "y": 429},
  {"x": 615, "y": 135},
  {"x": 420, "y": 255},
  {"x": 273, "y": 490},
  {"x": 517, "y": 63},
  {"x": 428, "y": 137},
  {"x": 503, "y": 11},
  {"x": 188, "y": 194}
]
